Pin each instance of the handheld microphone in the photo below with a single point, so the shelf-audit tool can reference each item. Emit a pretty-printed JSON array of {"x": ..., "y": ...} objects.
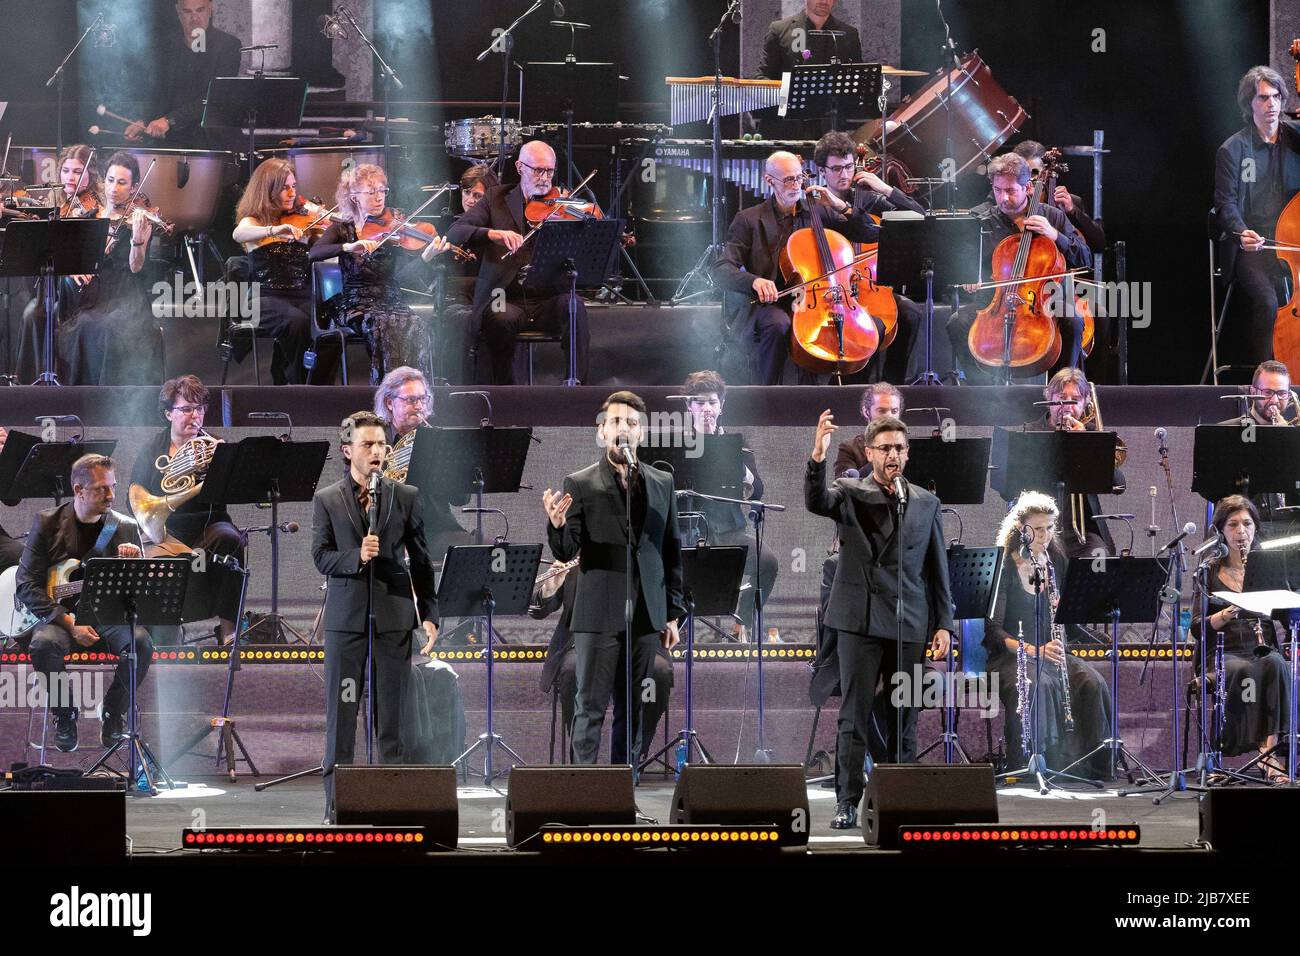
[
  {"x": 1162, "y": 434},
  {"x": 374, "y": 500},
  {"x": 1189, "y": 528},
  {"x": 1026, "y": 536},
  {"x": 900, "y": 490},
  {"x": 625, "y": 449}
]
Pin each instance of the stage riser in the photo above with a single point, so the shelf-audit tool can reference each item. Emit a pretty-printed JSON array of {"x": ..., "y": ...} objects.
[{"x": 279, "y": 710}]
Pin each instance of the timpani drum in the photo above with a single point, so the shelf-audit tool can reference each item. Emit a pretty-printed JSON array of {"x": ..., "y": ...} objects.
[{"x": 319, "y": 168}]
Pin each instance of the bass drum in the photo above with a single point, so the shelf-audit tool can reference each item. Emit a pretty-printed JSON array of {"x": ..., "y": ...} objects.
[{"x": 984, "y": 116}]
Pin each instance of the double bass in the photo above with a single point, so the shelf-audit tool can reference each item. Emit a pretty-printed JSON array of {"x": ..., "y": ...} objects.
[
  {"x": 1016, "y": 332},
  {"x": 831, "y": 330},
  {"x": 1286, "y": 326}
]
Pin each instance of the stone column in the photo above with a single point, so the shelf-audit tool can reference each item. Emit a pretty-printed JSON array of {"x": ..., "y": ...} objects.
[{"x": 272, "y": 22}]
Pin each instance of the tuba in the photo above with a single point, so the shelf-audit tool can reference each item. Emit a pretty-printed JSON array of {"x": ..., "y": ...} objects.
[{"x": 182, "y": 479}]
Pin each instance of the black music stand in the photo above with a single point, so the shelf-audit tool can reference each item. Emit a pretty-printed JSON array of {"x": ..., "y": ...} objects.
[
  {"x": 1070, "y": 463},
  {"x": 135, "y": 592},
  {"x": 711, "y": 586},
  {"x": 571, "y": 254},
  {"x": 1111, "y": 589},
  {"x": 974, "y": 576},
  {"x": 827, "y": 89},
  {"x": 46, "y": 470},
  {"x": 939, "y": 251},
  {"x": 452, "y": 464},
  {"x": 486, "y": 580},
  {"x": 1227, "y": 462},
  {"x": 60, "y": 247},
  {"x": 238, "y": 102},
  {"x": 956, "y": 471},
  {"x": 258, "y": 469}
]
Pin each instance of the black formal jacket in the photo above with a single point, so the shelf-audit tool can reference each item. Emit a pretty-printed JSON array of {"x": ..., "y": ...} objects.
[
  {"x": 860, "y": 227},
  {"x": 867, "y": 582},
  {"x": 54, "y": 538},
  {"x": 779, "y": 53},
  {"x": 189, "y": 519},
  {"x": 337, "y": 529},
  {"x": 183, "y": 77},
  {"x": 1253, "y": 202},
  {"x": 596, "y": 526}
]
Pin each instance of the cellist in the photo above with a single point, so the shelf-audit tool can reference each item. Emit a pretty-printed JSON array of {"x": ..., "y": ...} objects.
[
  {"x": 1256, "y": 172},
  {"x": 750, "y": 268},
  {"x": 1009, "y": 176}
]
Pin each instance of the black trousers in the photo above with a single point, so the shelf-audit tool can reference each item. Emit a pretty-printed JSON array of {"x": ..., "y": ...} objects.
[
  {"x": 771, "y": 347},
  {"x": 862, "y": 661},
  {"x": 598, "y": 660},
  {"x": 51, "y": 643},
  {"x": 979, "y": 374},
  {"x": 548, "y": 313},
  {"x": 345, "y": 678},
  {"x": 1256, "y": 276},
  {"x": 287, "y": 318},
  {"x": 566, "y": 685}
]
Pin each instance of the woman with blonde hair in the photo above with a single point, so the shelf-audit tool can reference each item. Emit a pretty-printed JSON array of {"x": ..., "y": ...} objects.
[
  {"x": 1032, "y": 558},
  {"x": 372, "y": 302}
]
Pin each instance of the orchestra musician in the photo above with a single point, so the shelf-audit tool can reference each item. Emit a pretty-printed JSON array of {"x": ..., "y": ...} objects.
[
  {"x": 813, "y": 35},
  {"x": 727, "y": 524},
  {"x": 460, "y": 364},
  {"x": 1271, "y": 402},
  {"x": 1248, "y": 206},
  {"x": 589, "y": 517},
  {"x": 85, "y": 527},
  {"x": 111, "y": 336},
  {"x": 373, "y": 304},
  {"x": 355, "y": 538},
  {"x": 750, "y": 267},
  {"x": 884, "y": 563},
  {"x": 496, "y": 224},
  {"x": 1028, "y": 539},
  {"x": 190, "y": 57},
  {"x": 278, "y": 260},
  {"x": 859, "y": 194},
  {"x": 1257, "y": 676},
  {"x": 183, "y": 402},
  {"x": 1069, "y": 203},
  {"x": 1009, "y": 175}
]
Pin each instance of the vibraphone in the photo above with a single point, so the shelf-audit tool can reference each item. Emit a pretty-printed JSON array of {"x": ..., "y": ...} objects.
[{"x": 742, "y": 159}]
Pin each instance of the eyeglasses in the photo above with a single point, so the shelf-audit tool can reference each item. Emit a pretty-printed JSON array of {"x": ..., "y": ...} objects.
[
  {"x": 414, "y": 399},
  {"x": 1272, "y": 392},
  {"x": 542, "y": 172},
  {"x": 790, "y": 181},
  {"x": 190, "y": 409},
  {"x": 381, "y": 191},
  {"x": 886, "y": 449},
  {"x": 838, "y": 168}
]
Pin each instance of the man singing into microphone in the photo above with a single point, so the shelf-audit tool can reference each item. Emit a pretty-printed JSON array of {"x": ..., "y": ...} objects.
[
  {"x": 891, "y": 547},
  {"x": 360, "y": 526},
  {"x": 590, "y": 517}
]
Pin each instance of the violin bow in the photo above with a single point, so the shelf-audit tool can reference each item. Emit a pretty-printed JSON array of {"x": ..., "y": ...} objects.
[
  {"x": 1273, "y": 244},
  {"x": 807, "y": 282},
  {"x": 405, "y": 219},
  {"x": 551, "y": 215}
]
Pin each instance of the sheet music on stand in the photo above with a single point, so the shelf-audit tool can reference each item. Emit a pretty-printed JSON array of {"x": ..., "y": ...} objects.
[{"x": 815, "y": 89}]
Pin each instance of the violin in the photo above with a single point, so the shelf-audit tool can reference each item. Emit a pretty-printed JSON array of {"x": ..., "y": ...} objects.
[
  {"x": 412, "y": 236},
  {"x": 85, "y": 205},
  {"x": 557, "y": 205},
  {"x": 831, "y": 331},
  {"x": 312, "y": 224},
  {"x": 1286, "y": 325},
  {"x": 1016, "y": 332}
]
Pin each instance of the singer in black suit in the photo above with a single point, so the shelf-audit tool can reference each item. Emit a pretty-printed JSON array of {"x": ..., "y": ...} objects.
[
  {"x": 590, "y": 517},
  {"x": 360, "y": 526},
  {"x": 880, "y": 558}
]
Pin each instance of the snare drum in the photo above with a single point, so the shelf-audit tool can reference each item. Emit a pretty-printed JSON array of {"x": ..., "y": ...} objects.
[
  {"x": 185, "y": 184},
  {"x": 319, "y": 168},
  {"x": 479, "y": 138}
]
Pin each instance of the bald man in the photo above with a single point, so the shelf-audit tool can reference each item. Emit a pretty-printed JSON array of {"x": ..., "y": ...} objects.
[
  {"x": 750, "y": 267},
  {"x": 496, "y": 225}
]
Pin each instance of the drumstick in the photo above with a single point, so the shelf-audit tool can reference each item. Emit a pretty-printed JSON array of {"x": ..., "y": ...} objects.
[{"x": 103, "y": 110}]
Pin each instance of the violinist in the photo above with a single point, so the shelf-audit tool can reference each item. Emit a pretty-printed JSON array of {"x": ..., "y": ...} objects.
[
  {"x": 459, "y": 320},
  {"x": 860, "y": 195},
  {"x": 1009, "y": 175},
  {"x": 268, "y": 215},
  {"x": 1248, "y": 207},
  {"x": 497, "y": 224},
  {"x": 750, "y": 267},
  {"x": 372, "y": 298},
  {"x": 111, "y": 336}
]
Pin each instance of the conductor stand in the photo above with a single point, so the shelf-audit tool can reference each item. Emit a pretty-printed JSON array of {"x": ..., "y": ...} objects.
[
  {"x": 247, "y": 102},
  {"x": 134, "y": 592},
  {"x": 940, "y": 250},
  {"x": 711, "y": 586},
  {"x": 488, "y": 580},
  {"x": 49, "y": 249},
  {"x": 568, "y": 254},
  {"x": 1112, "y": 590}
]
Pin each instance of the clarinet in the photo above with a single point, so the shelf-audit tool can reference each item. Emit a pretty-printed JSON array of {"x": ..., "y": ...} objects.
[
  {"x": 1022, "y": 689},
  {"x": 1058, "y": 632}
]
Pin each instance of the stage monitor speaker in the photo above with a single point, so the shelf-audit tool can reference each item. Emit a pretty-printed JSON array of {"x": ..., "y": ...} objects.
[
  {"x": 569, "y": 796},
  {"x": 396, "y": 795},
  {"x": 1232, "y": 818},
  {"x": 923, "y": 794},
  {"x": 63, "y": 827},
  {"x": 745, "y": 794}
]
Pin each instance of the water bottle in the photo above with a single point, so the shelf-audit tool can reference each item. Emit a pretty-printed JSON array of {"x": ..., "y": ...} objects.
[{"x": 682, "y": 752}]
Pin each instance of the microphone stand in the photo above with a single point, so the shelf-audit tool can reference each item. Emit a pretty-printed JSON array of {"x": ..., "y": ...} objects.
[
  {"x": 502, "y": 43},
  {"x": 57, "y": 78},
  {"x": 899, "y": 715},
  {"x": 629, "y": 610},
  {"x": 375, "y": 481},
  {"x": 389, "y": 77}
]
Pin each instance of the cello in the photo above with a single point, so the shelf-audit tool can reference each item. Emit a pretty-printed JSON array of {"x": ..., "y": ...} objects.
[
  {"x": 1286, "y": 326},
  {"x": 1016, "y": 332},
  {"x": 831, "y": 331}
]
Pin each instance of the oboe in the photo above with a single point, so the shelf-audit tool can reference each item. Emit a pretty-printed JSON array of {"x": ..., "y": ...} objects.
[{"x": 1058, "y": 632}]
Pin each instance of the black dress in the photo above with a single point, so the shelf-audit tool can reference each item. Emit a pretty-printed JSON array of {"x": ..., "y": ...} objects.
[
  {"x": 372, "y": 304},
  {"x": 1257, "y": 677},
  {"x": 284, "y": 303},
  {"x": 1089, "y": 693},
  {"x": 111, "y": 336}
]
